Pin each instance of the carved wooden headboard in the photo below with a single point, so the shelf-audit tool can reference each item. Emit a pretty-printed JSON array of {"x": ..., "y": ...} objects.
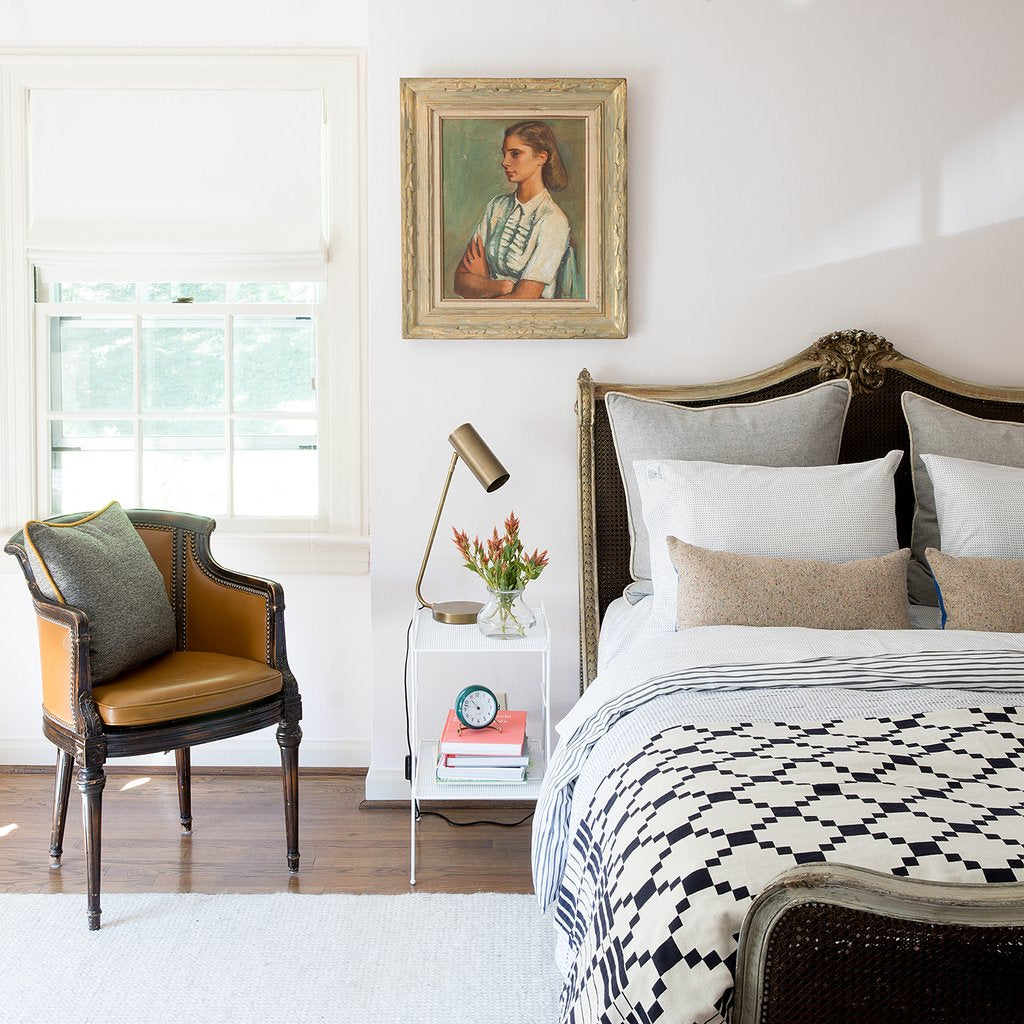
[{"x": 875, "y": 425}]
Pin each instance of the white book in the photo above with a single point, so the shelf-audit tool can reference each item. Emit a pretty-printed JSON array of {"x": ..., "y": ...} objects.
[
  {"x": 487, "y": 760},
  {"x": 483, "y": 774}
]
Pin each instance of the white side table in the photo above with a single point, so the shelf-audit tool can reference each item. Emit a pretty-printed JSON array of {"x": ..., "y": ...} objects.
[{"x": 430, "y": 637}]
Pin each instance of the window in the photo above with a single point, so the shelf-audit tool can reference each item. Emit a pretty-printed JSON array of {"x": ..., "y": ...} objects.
[
  {"x": 182, "y": 396},
  {"x": 193, "y": 288}
]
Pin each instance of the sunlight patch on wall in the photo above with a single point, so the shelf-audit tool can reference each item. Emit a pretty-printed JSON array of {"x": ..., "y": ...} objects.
[
  {"x": 983, "y": 178},
  {"x": 892, "y": 221}
]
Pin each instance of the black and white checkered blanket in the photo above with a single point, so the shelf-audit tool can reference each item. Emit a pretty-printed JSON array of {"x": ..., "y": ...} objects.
[{"x": 683, "y": 832}]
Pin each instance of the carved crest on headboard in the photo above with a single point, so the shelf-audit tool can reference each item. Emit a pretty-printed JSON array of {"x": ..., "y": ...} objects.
[{"x": 854, "y": 355}]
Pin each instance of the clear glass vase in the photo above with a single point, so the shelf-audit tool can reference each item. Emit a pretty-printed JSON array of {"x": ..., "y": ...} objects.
[{"x": 506, "y": 615}]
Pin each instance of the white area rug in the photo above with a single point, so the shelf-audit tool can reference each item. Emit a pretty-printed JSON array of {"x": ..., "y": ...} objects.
[{"x": 481, "y": 958}]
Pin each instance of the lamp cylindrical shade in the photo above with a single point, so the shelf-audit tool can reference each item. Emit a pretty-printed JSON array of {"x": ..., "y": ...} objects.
[{"x": 473, "y": 450}]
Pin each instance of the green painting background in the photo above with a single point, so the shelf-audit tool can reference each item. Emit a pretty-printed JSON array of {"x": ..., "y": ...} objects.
[{"x": 471, "y": 176}]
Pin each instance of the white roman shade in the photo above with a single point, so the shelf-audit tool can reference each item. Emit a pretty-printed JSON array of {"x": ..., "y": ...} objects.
[{"x": 151, "y": 184}]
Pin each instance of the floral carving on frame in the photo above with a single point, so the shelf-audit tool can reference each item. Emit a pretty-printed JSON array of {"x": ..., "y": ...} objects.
[{"x": 514, "y": 208}]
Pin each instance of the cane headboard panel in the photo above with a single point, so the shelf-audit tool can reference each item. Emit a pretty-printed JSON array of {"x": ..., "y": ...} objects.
[{"x": 875, "y": 425}]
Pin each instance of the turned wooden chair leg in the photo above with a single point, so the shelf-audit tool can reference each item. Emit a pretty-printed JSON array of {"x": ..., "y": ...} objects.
[
  {"x": 183, "y": 763},
  {"x": 91, "y": 782},
  {"x": 61, "y": 791},
  {"x": 289, "y": 735}
]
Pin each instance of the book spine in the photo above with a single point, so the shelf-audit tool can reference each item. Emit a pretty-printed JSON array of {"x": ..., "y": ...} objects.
[{"x": 472, "y": 777}]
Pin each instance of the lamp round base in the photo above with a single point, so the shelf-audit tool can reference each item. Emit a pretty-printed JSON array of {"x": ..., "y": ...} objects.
[{"x": 456, "y": 613}]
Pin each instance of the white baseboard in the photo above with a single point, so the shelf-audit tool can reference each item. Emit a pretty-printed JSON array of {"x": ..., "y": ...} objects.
[
  {"x": 386, "y": 785},
  {"x": 255, "y": 753}
]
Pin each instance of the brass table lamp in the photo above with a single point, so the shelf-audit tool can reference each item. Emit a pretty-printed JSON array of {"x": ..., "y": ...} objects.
[{"x": 492, "y": 474}]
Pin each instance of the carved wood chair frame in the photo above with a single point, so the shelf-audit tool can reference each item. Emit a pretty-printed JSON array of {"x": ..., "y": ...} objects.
[{"x": 84, "y": 740}]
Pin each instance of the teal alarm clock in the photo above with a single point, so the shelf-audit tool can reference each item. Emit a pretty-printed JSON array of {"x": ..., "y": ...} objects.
[{"x": 476, "y": 707}]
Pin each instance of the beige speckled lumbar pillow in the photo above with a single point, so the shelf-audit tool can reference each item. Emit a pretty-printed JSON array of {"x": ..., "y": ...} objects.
[
  {"x": 986, "y": 594},
  {"x": 718, "y": 588}
]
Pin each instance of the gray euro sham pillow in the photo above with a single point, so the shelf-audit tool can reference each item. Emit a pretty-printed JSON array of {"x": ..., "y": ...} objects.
[
  {"x": 720, "y": 588},
  {"x": 803, "y": 429},
  {"x": 936, "y": 429},
  {"x": 100, "y": 564}
]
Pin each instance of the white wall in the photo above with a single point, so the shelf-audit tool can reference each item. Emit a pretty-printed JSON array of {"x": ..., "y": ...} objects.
[
  {"x": 795, "y": 166},
  {"x": 211, "y": 24},
  {"x": 327, "y": 617}
]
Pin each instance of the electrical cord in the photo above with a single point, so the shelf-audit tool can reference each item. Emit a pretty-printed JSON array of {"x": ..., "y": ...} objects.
[
  {"x": 470, "y": 824},
  {"x": 408, "y": 746}
]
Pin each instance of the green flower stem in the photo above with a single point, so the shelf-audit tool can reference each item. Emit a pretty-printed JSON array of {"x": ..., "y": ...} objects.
[{"x": 505, "y": 613}]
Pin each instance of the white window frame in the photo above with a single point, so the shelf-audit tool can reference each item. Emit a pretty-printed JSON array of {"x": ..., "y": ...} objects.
[
  {"x": 137, "y": 313},
  {"x": 343, "y": 547}
]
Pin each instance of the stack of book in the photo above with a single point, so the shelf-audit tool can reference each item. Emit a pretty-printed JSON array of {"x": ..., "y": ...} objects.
[{"x": 484, "y": 755}]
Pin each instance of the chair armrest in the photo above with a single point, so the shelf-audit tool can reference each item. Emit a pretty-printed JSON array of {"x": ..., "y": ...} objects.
[
  {"x": 63, "y": 654},
  {"x": 64, "y": 661}
]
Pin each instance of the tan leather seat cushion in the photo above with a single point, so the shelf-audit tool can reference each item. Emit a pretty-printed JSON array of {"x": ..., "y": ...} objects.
[{"x": 183, "y": 684}]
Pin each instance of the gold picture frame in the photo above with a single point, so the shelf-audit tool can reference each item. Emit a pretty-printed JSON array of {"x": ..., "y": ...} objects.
[{"x": 459, "y": 184}]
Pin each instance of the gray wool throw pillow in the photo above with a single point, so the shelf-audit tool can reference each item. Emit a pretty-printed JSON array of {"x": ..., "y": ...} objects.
[{"x": 101, "y": 565}]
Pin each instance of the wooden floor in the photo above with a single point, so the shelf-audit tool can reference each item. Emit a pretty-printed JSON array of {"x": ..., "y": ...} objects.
[{"x": 238, "y": 842}]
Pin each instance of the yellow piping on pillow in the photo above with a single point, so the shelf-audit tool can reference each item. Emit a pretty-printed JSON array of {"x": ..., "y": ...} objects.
[{"x": 53, "y": 526}]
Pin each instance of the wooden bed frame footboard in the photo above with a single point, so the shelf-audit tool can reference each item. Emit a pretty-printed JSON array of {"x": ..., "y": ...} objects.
[{"x": 843, "y": 945}]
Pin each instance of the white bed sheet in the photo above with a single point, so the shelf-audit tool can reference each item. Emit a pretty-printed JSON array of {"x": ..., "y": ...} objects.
[
  {"x": 625, "y": 624},
  {"x": 631, "y": 651}
]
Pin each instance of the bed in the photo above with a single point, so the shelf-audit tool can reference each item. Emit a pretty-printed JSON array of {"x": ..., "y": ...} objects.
[{"x": 702, "y": 762}]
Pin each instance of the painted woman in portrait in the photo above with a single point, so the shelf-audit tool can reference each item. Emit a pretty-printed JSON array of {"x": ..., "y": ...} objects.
[{"x": 522, "y": 247}]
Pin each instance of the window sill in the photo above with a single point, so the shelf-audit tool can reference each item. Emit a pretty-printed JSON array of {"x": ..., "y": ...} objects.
[
  {"x": 292, "y": 554},
  {"x": 271, "y": 554}
]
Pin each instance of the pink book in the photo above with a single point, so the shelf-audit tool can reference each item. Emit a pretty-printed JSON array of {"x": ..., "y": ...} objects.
[{"x": 509, "y": 741}]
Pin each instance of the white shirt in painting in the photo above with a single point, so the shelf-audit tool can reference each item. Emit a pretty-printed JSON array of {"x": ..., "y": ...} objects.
[{"x": 525, "y": 241}]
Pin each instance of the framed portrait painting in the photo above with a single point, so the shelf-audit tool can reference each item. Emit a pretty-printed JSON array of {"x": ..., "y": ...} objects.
[{"x": 514, "y": 208}]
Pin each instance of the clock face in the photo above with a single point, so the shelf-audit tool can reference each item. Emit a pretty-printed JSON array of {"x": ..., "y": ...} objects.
[{"x": 476, "y": 707}]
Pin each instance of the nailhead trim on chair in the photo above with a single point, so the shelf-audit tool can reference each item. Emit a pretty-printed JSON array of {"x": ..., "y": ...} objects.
[{"x": 178, "y": 573}]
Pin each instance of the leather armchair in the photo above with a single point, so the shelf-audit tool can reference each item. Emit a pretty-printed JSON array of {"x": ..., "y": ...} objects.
[{"x": 227, "y": 675}]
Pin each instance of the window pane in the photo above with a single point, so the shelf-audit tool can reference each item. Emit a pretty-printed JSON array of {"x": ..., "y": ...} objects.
[
  {"x": 275, "y": 468},
  {"x": 91, "y": 463},
  {"x": 169, "y": 291},
  {"x": 274, "y": 364},
  {"x": 141, "y": 409},
  {"x": 182, "y": 364},
  {"x": 184, "y": 465},
  {"x": 278, "y": 291},
  {"x": 91, "y": 364},
  {"x": 303, "y": 292},
  {"x": 107, "y": 291}
]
